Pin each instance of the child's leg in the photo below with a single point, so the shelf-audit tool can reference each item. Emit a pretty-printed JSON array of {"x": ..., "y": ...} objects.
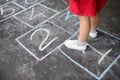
[
  {"x": 81, "y": 42},
  {"x": 84, "y": 28},
  {"x": 94, "y": 21}
]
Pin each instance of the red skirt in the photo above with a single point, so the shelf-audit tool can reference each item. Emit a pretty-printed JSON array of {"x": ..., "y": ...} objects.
[{"x": 86, "y": 7}]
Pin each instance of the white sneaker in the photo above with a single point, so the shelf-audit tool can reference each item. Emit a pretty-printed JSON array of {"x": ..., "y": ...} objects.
[
  {"x": 93, "y": 34},
  {"x": 72, "y": 44}
]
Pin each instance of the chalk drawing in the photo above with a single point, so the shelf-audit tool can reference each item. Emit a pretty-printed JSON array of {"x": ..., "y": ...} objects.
[
  {"x": 64, "y": 2},
  {"x": 1, "y": 11},
  {"x": 76, "y": 23},
  {"x": 27, "y": 50},
  {"x": 8, "y": 9},
  {"x": 19, "y": 5},
  {"x": 48, "y": 33},
  {"x": 68, "y": 15},
  {"x": 60, "y": 28},
  {"x": 23, "y": 22},
  {"x": 36, "y": 25},
  {"x": 33, "y": 17},
  {"x": 31, "y": 53},
  {"x": 11, "y": 14},
  {"x": 102, "y": 54},
  {"x": 92, "y": 74},
  {"x": 34, "y": 1}
]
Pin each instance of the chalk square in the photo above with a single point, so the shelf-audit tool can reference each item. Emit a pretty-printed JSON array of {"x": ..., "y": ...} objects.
[
  {"x": 57, "y": 5},
  {"x": 89, "y": 59},
  {"x": 9, "y": 9},
  {"x": 57, "y": 67},
  {"x": 10, "y": 30},
  {"x": 28, "y": 3},
  {"x": 35, "y": 15},
  {"x": 47, "y": 35},
  {"x": 114, "y": 70},
  {"x": 110, "y": 23},
  {"x": 67, "y": 21}
]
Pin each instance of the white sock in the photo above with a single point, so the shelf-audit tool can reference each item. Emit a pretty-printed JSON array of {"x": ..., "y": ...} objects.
[
  {"x": 92, "y": 31},
  {"x": 81, "y": 43}
]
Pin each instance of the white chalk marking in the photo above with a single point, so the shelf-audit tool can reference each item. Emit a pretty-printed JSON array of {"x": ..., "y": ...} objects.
[
  {"x": 34, "y": 1},
  {"x": 27, "y": 50},
  {"x": 1, "y": 11},
  {"x": 64, "y": 2},
  {"x": 48, "y": 33},
  {"x": 8, "y": 9},
  {"x": 102, "y": 54},
  {"x": 19, "y": 5},
  {"x": 31, "y": 16},
  {"x": 23, "y": 22},
  {"x": 17, "y": 39},
  {"x": 48, "y": 8},
  {"x": 18, "y": 12},
  {"x": 60, "y": 27}
]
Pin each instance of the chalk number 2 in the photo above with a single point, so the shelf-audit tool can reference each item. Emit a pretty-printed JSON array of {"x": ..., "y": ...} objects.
[{"x": 48, "y": 34}]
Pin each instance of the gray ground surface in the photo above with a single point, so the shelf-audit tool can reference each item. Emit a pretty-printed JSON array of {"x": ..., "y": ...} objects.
[{"x": 32, "y": 33}]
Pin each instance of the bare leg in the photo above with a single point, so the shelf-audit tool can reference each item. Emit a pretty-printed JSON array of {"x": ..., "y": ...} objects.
[
  {"x": 81, "y": 43},
  {"x": 94, "y": 21},
  {"x": 84, "y": 28}
]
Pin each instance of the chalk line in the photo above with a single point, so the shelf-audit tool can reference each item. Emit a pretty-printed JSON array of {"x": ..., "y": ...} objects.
[
  {"x": 23, "y": 22},
  {"x": 18, "y": 5},
  {"x": 28, "y": 50},
  {"x": 48, "y": 8}
]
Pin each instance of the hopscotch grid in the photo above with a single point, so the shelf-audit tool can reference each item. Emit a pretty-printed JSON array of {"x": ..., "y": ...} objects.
[
  {"x": 19, "y": 12},
  {"x": 50, "y": 17},
  {"x": 109, "y": 67},
  {"x": 26, "y": 10},
  {"x": 43, "y": 57},
  {"x": 55, "y": 48},
  {"x": 91, "y": 73},
  {"x": 39, "y": 24},
  {"x": 45, "y": 6},
  {"x": 61, "y": 44},
  {"x": 17, "y": 39}
]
